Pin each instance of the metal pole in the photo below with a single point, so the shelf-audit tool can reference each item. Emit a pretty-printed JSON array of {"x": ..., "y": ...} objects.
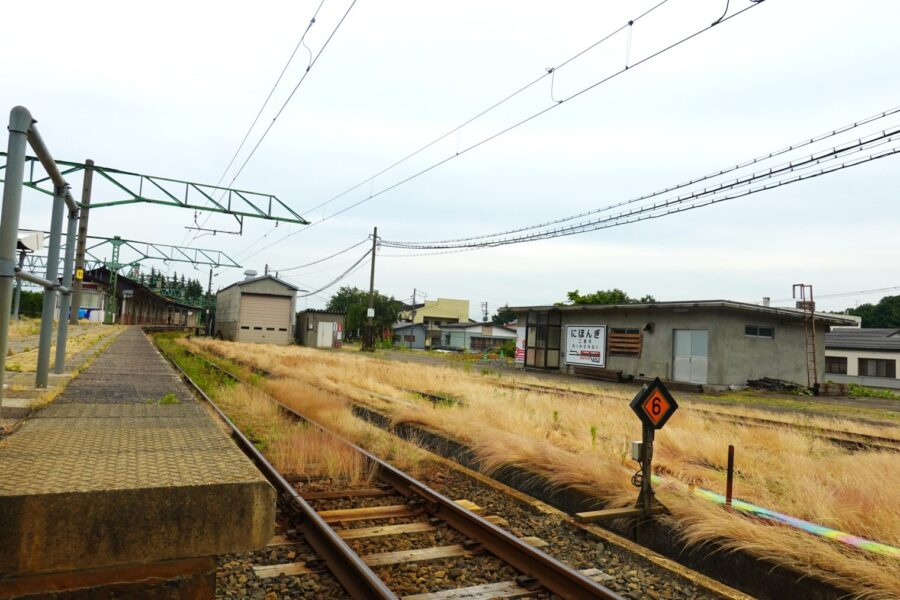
[
  {"x": 65, "y": 302},
  {"x": 729, "y": 482},
  {"x": 369, "y": 335},
  {"x": 412, "y": 321},
  {"x": 46, "y": 335},
  {"x": 208, "y": 304},
  {"x": 82, "y": 237},
  {"x": 647, "y": 469},
  {"x": 19, "y": 122},
  {"x": 18, "y": 297}
]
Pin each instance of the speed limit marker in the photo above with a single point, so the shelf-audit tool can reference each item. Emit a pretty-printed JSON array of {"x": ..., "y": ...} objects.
[{"x": 654, "y": 404}]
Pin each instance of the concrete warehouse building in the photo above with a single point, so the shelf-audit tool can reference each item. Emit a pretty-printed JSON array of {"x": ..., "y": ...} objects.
[
  {"x": 863, "y": 356},
  {"x": 258, "y": 310},
  {"x": 710, "y": 343},
  {"x": 319, "y": 328}
]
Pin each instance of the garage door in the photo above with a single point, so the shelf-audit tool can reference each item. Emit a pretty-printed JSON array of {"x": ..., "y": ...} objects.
[{"x": 265, "y": 319}]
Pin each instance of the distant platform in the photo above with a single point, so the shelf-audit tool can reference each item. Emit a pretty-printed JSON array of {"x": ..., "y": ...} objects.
[{"x": 126, "y": 468}]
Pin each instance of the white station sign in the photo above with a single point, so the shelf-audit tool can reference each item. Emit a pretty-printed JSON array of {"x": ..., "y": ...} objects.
[{"x": 585, "y": 345}]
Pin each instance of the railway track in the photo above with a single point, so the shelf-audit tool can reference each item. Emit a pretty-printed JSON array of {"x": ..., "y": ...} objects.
[
  {"x": 846, "y": 439},
  {"x": 330, "y": 531}
]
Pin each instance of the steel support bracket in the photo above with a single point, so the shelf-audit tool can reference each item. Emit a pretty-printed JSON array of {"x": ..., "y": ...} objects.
[{"x": 8, "y": 267}]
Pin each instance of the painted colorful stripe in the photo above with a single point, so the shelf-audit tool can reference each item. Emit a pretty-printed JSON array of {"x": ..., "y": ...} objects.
[{"x": 771, "y": 515}]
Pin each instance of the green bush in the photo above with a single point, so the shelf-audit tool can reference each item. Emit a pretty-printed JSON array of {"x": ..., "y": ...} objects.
[{"x": 867, "y": 392}]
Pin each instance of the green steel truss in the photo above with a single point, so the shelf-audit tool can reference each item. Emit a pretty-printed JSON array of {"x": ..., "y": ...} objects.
[
  {"x": 163, "y": 252},
  {"x": 144, "y": 251},
  {"x": 138, "y": 188}
]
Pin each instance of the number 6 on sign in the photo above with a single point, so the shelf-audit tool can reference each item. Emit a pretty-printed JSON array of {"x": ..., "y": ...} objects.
[{"x": 654, "y": 404}]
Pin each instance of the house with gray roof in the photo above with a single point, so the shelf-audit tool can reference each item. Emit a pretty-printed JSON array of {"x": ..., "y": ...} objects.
[
  {"x": 711, "y": 344},
  {"x": 866, "y": 356}
]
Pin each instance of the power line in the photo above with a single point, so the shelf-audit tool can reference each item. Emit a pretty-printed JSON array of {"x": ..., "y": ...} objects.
[
  {"x": 309, "y": 67},
  {"x": 300, "y": 42},
  {"x": 548, "y": 72},
  {"x": 699, "y": 198},
  {"x": 294, "y": 91},
  {"x": 321, "y": 260},
  {"x": 513, "y": 126},
  {"x": 346, "y": 273},
  {"x": 845, "y": 294},
  {"x": 742, "y": 165}
]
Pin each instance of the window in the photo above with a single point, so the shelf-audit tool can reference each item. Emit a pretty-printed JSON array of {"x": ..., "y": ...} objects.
[
  {"x": 409, "y": 338},
  {"x": 759, "y": 331},
  {"x": 836, "y": 365},
  {"x": 625, "y": 342},
  {"x": 877, "y": 367},
  {"x": 481, "y": 343}
]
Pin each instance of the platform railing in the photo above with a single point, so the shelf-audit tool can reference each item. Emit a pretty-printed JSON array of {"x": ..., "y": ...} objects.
[{"x": 22, "y": 133}]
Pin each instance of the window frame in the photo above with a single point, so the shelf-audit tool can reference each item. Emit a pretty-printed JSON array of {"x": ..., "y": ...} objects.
[
  {"x": 756, "y": 331},
  {"x": 889, "y": 364},
  {"x": 830, "y": 360}
]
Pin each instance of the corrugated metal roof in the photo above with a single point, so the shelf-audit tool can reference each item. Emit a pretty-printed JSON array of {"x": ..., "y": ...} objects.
[
  {"x": 864, "y": 339},
  {"x": 793, "y": 313}
]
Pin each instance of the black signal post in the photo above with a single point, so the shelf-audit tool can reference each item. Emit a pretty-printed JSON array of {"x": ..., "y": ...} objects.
[{"x": 654, "y": 405}]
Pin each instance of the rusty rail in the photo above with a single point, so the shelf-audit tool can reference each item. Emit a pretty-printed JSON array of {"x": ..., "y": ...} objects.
[
  {"x": 348, "y": 568},
  {"x": 545, "y": 570}
]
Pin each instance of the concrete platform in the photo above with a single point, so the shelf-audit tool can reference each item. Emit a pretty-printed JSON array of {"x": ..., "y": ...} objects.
[{"x": 125, "y": 468}]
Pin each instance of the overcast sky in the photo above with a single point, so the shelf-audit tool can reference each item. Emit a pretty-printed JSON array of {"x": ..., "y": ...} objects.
[{"x": 169, "y": 89}]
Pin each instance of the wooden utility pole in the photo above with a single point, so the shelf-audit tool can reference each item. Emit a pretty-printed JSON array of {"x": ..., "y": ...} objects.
[
  {"x": 369, "y": 333},
  {"x": 82, "y": 240}
]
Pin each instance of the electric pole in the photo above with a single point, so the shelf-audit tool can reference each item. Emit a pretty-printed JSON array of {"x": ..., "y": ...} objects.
[
  {"x": 369, "y": 333},
  {"x": 82, "y": 240},
  {"x": 412, "y": 320},
  {"x": 208, "y": 304}
]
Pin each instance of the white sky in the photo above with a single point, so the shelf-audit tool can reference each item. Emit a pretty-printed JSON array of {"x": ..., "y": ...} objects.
[{"x": 169, "y": 88}]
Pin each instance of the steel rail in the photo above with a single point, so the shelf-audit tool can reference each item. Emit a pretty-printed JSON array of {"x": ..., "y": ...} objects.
[
  {"x": 354, "y": 575},
  {"x": 550, "y": 573}
]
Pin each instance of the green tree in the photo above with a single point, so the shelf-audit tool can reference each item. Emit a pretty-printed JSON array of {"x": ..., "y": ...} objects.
[
  {"x": 193, "y": 290},
  {"x": 613, "y": 296},
  {"x": 353, "y": 302},
  {"x": 885, "y": 314},
  {"x": 31, "y": 304},
  {"x": 503, "y": 316}
]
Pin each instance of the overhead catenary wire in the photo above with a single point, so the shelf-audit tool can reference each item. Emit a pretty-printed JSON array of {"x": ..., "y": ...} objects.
[
  {"x": 309, "y": 67},
  {"x": 548, "y": 73},
  {"x": 265, "y": 103},
  {"x": 515, "y": 125}
]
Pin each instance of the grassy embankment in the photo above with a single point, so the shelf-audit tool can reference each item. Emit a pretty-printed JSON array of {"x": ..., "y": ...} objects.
[
  {"x": 294, "y": 448},
  {"x": 581, "y": 443}
]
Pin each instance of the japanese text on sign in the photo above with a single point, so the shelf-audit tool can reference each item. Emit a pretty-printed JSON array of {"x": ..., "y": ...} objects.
[{"x": 585, "y": 345}]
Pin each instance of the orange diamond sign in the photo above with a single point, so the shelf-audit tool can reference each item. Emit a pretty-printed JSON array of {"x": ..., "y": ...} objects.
[{"x": 654, "y": 404}]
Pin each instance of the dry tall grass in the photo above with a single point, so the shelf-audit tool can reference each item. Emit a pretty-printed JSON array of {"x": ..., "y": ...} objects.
[
  {"x": 295, "y": 449},
  {"x": 581, "y": 442}
]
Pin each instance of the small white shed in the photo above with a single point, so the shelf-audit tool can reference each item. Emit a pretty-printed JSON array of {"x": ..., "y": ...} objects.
[{"x": 257, "y": 310}]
